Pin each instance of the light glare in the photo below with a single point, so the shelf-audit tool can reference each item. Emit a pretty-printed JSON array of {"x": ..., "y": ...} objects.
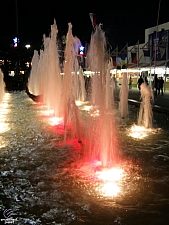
[
  {"x": 55, "y": 121},
  {"x": 139, "y": 132},
  {"x": 110, "y": 178}
]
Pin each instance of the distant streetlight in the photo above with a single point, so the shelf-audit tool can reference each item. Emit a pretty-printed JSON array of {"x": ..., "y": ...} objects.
[{"x": 27, "y": 46}]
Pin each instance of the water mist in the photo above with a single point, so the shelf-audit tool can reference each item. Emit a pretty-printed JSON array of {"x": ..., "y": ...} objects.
[
  {"x": 102, "y": 144},
  {"x": 145, "y": 112},
  {"x": 2, "y": 86}
]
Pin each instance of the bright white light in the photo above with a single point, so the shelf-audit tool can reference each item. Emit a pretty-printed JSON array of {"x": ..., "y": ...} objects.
[
  {"x": 47, "y": 112},
  {"x": 79, "y": 103},
  {"x": 55, "y": 121},
  {"x": 113, "y": 174},
  {"x": 88, "y": 72},
  {"x": 12, "y": 73},
  {"x": 110, "y": 189},
  {"x": 16, "y": 41},
  {"x": 81, "y": 48},
  {"x": 95, "y": 113},
  {"x": 139, "y": 132},
  {"x": 3, "y": 113},
  {"x": 27, "y": 46},
  {"x": 3, "y": 127},
  {"x": 87, "y": 107},
  {"x": 110, "y": 178}
]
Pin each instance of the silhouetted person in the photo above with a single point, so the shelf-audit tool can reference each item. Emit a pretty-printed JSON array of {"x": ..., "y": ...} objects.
[
  {"x": 155, "y": 84},
  {"x": 161, "y": 85},
  {"x": 87, "y": 84},
  {"x": 146, "y": 80},
  {"x": 140, "y": 81},
  {"x": 130, "y": 82}
]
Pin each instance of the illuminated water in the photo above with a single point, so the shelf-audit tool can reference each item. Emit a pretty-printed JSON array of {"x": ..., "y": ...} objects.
[
  {"x": 100, "y": 132},
  {"x": 52, "y": 168},
  {"x": 146, "y": 114},
  {"x": 42, "y": 184},
  {"x": 61, "y": 92},
  {"x": 2, "y": 86},
  {"x": 123, "y": 104}
]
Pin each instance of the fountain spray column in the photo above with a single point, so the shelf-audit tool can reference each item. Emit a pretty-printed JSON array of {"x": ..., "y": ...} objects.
[
  {"x": 102, "y": 144},
  {"x": 81, "y": 91},
  {"x": 110, "y": 86},
  {"x": 2, "y": 86},
  {"x": 33, "y": 82},
  {"x": 52, "y": 74},
  {"x": 45, "y": 74},
  {"x": 70, "y": 85},
  {"x": 145, "y": 113},
  {"x": 123, "y": 105}
]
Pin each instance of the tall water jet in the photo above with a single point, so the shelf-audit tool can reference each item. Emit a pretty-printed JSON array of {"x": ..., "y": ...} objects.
[
  {"x": 81, "y": 91},
  {"x": 71, "y": 80},
  {"x": 52, "y": 77},
  {"x": 45, "y": 72},
  {"x": 110, "y": 87},
  {"x": 123, "y": 105},
  {"x": 102, "y": 143},
  {"x": 2, "y": 86},
  {"x": 60, "y": 92},
  {"x": 145, "y": 112},
  {"x": 34, "y": 80}
]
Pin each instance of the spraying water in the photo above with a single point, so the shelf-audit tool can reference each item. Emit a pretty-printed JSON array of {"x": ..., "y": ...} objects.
[
  {"x": 2, "y": 86},
  {"x": 34, "y": 79},
  {"x": 123, "y": 105},
  {"x": 145, "y": 113},
  {"x": 102, "y": 144},
  {"x": 61, "y": 92}
]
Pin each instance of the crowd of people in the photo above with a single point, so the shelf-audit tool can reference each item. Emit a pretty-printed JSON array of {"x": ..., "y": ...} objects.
[{"x": 157, "y": 84}]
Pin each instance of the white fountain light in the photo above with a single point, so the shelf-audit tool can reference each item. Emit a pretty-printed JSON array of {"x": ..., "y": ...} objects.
[
  {"x": 87, "y": 107},
  {"x": 139, "y": 132},
  {"x": 55, "y": 120},
  {"x": 4, "y": 126},
  {"x": 113, "y": 174},
  {"x": 111, "y": 178},
  {"x": 47, "y": 112},
  {"x": 110, "y": 189}
]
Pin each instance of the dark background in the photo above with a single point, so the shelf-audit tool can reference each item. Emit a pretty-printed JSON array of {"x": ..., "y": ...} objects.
[{"x": 123, "y": 21}]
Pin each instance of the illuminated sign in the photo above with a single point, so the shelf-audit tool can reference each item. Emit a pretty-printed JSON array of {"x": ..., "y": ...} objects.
[
  {"x": 81, "y": 50},
  {"x": 15, "y": 41}
]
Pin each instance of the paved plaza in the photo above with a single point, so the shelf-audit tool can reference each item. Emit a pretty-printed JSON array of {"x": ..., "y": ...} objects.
[{"x": 161, "y": 102}]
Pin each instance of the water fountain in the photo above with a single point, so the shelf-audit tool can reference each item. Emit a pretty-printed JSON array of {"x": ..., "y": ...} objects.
[
  {"x": 60, "y": 93},
  {"x": 123, "y": 105},
  {"x": 40, "y": 186},
  {"x": 34, "y": 79},
  {"x": 145, "y": 113},
  {"x": 101, "y": 131},
  {"x": 2, "y": 86},
  {"x": 45, "y": 76}
]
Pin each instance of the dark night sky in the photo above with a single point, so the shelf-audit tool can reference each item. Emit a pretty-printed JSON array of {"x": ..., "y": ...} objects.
[{"x": 123, "y": 21}]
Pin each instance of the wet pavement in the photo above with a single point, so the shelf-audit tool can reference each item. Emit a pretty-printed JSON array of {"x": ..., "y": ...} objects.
[
  {"x": 160, "y": 103},
  {"x": 45, "y": 181}
]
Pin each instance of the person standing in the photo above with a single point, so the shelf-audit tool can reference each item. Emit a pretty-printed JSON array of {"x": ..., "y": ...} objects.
[
  {"x": 146, "y": 80},
  {"x": 130, "y": 83},
  {"x": 161, "y": 85},
  {"x": 140, "y": 81},
  {"x": 155, "y": 84}
]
